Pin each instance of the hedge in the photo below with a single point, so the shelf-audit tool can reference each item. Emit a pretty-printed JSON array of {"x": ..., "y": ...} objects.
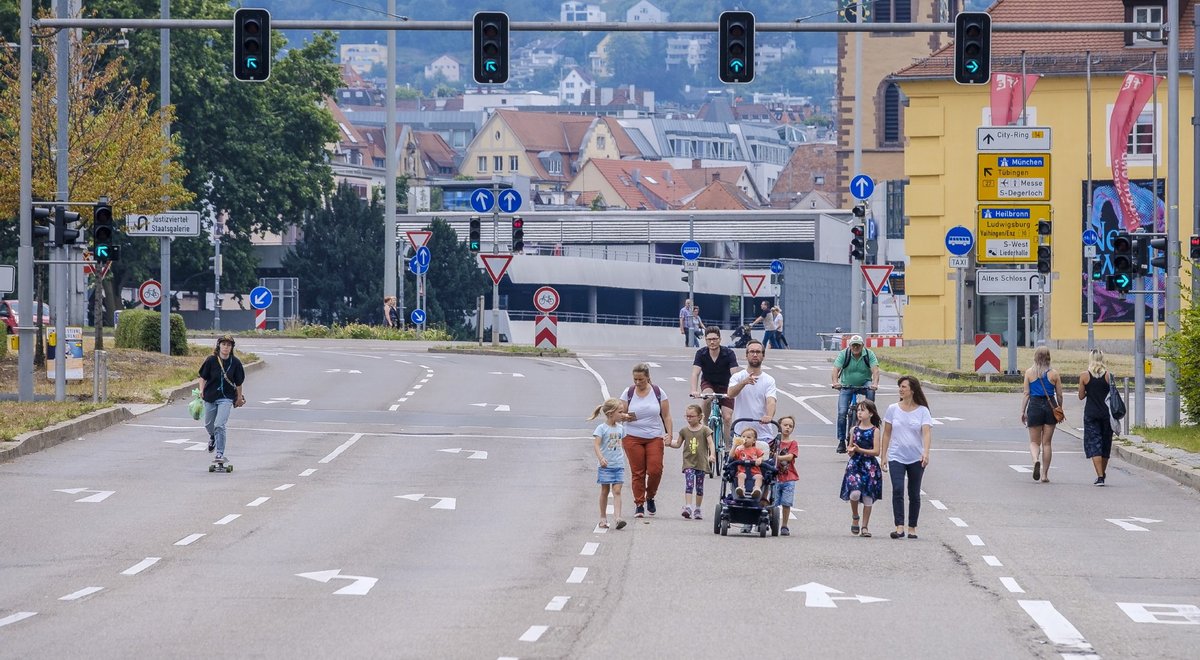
[{"x": 140, "y": 329}]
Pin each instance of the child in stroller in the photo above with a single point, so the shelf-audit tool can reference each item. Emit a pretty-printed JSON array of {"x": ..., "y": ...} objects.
[
  {"x": 749, "y": 509},
  {"x": 740, "y": 336}
]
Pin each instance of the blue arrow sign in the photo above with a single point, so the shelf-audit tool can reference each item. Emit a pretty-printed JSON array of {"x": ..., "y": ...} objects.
[
  {"x": 736, "y": 66},
  {"x": 972, "y": 66},
  {"x": 423, "y": 256},
  {"x": 252, "y": 62},
  {"x": 861, "y": 186},
  {"x": 959, "y": 241},
  {"x": 260, "y": 297},
  {"x": 690, "y": 250},
  {"x": 777, "y": 266},
  {"x": 416, "y": 267},
  {"x": 1124, "y": 281},
  {"x": 489, "y": 66},
  {"x": 1090, "y": 237},
  {"x": 510, "y": 201},
  {"x": 482, "y": 200},
  {"x": 417, "y": 316}
]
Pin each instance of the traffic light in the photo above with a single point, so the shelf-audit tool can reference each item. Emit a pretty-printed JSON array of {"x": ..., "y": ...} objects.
[
  {"x": 473, "y": 242},
  {"x": 518, "y": 234},
  {"x": 104, "y": 235},
  {"x": 41, "y": 213},
  {"x": 1159, "y": 245},
  {"x": 857, "y": 243},
  {"x": 1122, "y": 254},
  {"x": 687, "y": 275},
  {"x": 1043, "y": 259},
  {"x": 252, "y": 45},
  {"x": 1044, "y": 228},
  {"x": 1097, "y": 270},
  {"x": 63, "y": 235},
  {"x": 737, "y": 47},
  {"x": 860, "y": 210},
  {"x": 1195, "y": 251},
  {"x": 972, "y": 48},
  {"x": 490, "y": 36}
]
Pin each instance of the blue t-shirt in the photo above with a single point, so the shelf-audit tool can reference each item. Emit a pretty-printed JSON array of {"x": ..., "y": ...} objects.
[{"x": 610, "y": 443}]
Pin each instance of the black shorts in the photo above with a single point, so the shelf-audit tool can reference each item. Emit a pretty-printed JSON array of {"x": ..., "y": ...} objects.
[
  {"x": 727, "y": 402},
  {"x": 1038, "y": 413}
]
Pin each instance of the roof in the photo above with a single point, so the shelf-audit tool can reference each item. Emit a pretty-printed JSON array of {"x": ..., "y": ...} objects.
[
  {"x": 625, "y": 144},
  {"x": 546, "y": 131},
  {"x": 1061, "y": 53},
  {"x": 434, "y": 150},
  {"x": 641, "y": 184},
  {"x": 719, "y": 195},
  {"x": 699, "y": 177}
]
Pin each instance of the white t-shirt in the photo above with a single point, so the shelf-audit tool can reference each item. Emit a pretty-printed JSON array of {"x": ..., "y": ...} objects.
[
  {"x": 778, "y": 321},
  {"x": 751, "y": 402},
  {"x": 649, "y": 422},
  {"x": 906, "y": 444}
]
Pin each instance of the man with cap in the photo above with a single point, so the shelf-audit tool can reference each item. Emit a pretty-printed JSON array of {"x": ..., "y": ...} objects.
[{"x": 855, "y": 366}]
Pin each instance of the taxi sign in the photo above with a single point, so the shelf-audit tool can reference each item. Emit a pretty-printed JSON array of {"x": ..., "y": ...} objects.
[
  {"x": 1013, "y": 177},
  {"x": 1008, "y": 234}
]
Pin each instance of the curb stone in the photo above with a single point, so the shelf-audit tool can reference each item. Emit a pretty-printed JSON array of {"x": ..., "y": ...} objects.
[{"x": 34, "y": 441}]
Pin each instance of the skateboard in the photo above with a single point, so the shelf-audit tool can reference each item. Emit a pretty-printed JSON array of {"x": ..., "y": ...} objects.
[{"x": 220, "y": 465}]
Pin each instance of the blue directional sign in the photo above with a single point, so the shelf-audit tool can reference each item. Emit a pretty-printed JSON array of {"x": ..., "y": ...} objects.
[
  {"x": 777, "y": 266},
  {"x": 416, "y": 267},
  {"x": 510, "y": 201},
  {"x": 1090, "y": 237},
  {"x": 959, "y": 241},
  {"x": 482, "y": 200},
  {"x": 861, "y": 186},
  {"x": 260, "y": 297},
  {"x": 690, "y": 250},
  {"x": 417, "y": 317},
  {"x": 423, "y": 256}
]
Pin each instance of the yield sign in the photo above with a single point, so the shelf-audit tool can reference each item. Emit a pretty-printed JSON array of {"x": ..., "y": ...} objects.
[
  {"x": 753, "y": 283},
  {"x": 493, "y": 261},
  {"x": 876, "y": 276},
  {"x": 418, "y": 239}
]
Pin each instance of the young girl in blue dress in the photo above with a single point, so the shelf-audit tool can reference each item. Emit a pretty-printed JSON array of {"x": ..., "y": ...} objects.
[
  {"x": 610, "y": 474},
  {"x": 863, "y": 481}
]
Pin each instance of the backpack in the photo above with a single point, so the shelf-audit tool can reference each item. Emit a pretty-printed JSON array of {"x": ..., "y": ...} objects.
[
  {"x": 657, "y": 393},
  {"x": 845, "y": 357},
  {"x": 1116, "y": 405}
]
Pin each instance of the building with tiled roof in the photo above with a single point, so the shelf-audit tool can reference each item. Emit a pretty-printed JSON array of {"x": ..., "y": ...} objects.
[
  {"x": 539, "y": 145},
  {"x": 812, "y": 167},
  {"x": 718, "y": 195},
  {"x": 634, "y": 185}
]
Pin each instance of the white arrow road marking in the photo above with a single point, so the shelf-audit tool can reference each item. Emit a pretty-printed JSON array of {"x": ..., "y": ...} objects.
[
  {"x": 506, "y": 373},
  {"x": 803, "y": 401},
  {"x": 141, "y": 566},
  {"x": 532, "y": 635},
  {"x": 1059, "y": 631},
  {"x": 500, "y": 407},
  {"x": 477, "y": 454},
  {"x": 447, "y": 503},
  {"x": 359, "y": 587},
  {"x": 284, "y": 399},
  {"x": 1167, "y": 613},
  {"x": 1124, "y": 523},
  {"x": 86, "y": 591},
  {"x": 100, "y": 495},
  {"x": 819, "y": 595},
  {"x": 557, "y": 603},
  {"x": 1022, "y": 468},
  {"x": 195, "y": 446},
  {"x": 19, "y": 616}
]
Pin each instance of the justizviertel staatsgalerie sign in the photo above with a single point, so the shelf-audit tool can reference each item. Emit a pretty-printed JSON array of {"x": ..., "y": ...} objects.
[{"x": 168, "y": 223}]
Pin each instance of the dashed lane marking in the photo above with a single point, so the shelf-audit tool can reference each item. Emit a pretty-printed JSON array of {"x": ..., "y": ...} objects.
[
  {"x": 589, "y": 549},
  {"x": 958, "y": 522},
  {"x": 937, "y": 504},
  {"x": 228, "y": 519},
  {"x": 557, "y": 603},
  {"x": 975, "y": 540},
  {"x": 308, "y": 472},
  {"x": 577, "y": 575},
  {"x": 1011, "y": 585},
  {"x": 533, "y": 634},
  {"x": 141, "y": 566},
  {"x": 284, "y": 486},
  {"x": 991, "y": 560},
  {"x": 258, "y": 501},
  {"x": 1065, "y": 636},
  {"x": 189, "y": 539},
  {"x": 13, "y": 618},
  {"x": 341, "y": 448},
  {"x": 86, "y": 591}
]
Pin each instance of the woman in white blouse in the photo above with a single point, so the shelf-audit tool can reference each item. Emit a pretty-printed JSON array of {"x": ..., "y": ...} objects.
[{"x": 907, "y": 434}]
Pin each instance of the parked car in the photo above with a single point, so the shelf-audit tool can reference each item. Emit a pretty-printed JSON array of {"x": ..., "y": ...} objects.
[{"x": 8, "y": 314}]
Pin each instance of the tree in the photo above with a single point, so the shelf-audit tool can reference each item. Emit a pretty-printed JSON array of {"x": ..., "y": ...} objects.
[
  {"x": 339, "y": 260},
  {"x": 453, "y": 283}
]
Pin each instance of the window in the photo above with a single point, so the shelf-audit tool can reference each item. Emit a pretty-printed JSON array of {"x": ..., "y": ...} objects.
[
  {"x": 893, "y": 11},
  {"x": 497, "y": 163},
  {"x": 1151, "y": 14},
  {"x": 514, "y": 163},
  {"x": 895, "y": 209},
  {"x": 892, "y": 103},
  {"x": 482, "y": 163},
  {"x": 600, "y": 142},
  {"x": 1141, "y": 138},
  {"x": 818, "y": 180}
]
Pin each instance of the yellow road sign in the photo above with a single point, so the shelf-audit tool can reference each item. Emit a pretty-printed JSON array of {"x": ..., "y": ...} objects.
[
  {"x": 1013, "y": 177},
  {"x": 1008, "y": 234}
]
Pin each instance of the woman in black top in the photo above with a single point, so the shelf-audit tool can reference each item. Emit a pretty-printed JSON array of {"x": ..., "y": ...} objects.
[
  {"x": 1097, "y": 423},
  {"x": 221, "y": 378}
]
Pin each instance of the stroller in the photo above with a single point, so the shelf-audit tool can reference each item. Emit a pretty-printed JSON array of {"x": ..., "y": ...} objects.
[
  {"x": 734, "y": 510},
  {"x": 740, "y": 336}
]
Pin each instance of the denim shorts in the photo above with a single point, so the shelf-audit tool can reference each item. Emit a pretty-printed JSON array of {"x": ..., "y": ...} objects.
[
  {"x": 610, "y": 475},
  {"x": 785, "y": 494}
]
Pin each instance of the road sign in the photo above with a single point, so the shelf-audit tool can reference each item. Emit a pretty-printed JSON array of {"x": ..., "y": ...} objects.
[
  {"x": 510, "y": 201},
  {"x": 414, "y": 267},
  {"x": 169, "y": 223},
  {"x": 960, "y": 262},
  {"x": 753, "y": 283},
  {"x": 8, "y": 279},
  {"x": 482, "y": 200},
  {"x": 495, "y": 265},
  {"x": 877, "y": 276},
  {"x": 1010, "y": 282},
  {"x": 417, "y": 317},
  {"x": 418, "y": 239},
  {"x": 959, "y": 241},
  {"x": 690, "y": 250},
  {"x": 691, "y": 266},
  {"x": 987, "y": 354},
  {"x": 150, "y": 293},
  {"x": 1013, "y": 177},
  {"x": 545, "y": 331},
  {"x": 1012, "y": 138},
  {"x": 1091, "y": 237},
  {"x": 861, "y": 186},
  {"x": 260, "y": 297},
  {"x": 777, "y": 266},
  {"x": 546, "y": 299},
  {"x": 1008, "y": 234},
  {"x": 423, "y": 256}
]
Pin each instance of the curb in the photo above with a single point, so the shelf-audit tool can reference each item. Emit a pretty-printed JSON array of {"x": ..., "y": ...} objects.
[{"x": 34, "y": 441}]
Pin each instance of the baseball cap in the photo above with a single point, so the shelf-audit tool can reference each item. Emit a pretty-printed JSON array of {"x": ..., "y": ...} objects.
[{"x": 856, "y": 339}]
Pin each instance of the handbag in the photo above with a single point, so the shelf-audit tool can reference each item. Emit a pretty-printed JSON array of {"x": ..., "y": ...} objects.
[
  {"x": 1116, "y": 405},
  {"x": 1059, "y": 415},
  {"x": 196, "y": 405}
]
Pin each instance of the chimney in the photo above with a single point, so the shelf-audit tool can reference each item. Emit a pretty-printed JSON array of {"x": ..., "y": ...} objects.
[
  {"x": 716, "y": 176},
  {"x": 695, "y": 163},
  {"x": 637, "y": 175}
]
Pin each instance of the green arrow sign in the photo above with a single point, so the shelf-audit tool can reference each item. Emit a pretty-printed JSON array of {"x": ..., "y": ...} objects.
[
  {"x": 972, "y": 66},
  {"x": 1124, "y": 281},
  {"x": 101, "y": 252},
  {"x": 490, "y": 66},
  {"x": 736, "y": 66}
]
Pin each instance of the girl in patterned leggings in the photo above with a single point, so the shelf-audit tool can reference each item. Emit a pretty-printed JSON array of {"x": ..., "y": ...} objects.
[{"x": 696, "y": 441}]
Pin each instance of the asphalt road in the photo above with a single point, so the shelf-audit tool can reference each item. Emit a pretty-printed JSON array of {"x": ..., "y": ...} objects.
[{"x": 389, "y": 502}]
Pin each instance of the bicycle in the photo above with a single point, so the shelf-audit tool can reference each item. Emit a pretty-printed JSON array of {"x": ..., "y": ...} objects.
[
  {"x": 851, "y": 413},
  {"x": 716, "y": 425}
]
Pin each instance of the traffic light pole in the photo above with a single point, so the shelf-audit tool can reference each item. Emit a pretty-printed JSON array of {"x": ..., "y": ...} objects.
[
  {"x": 1172, "y": 302},
  {"x": 495, "y": 250},
  {"x": 164, "y": 245},
  {"x": 58, "y": 273}
]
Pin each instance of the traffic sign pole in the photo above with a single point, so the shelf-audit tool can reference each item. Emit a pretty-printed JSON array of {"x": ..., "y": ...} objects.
[{"x": 495, "y": 283}]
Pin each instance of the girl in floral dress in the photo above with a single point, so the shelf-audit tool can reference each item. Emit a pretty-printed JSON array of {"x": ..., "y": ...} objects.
[{"x": 863, "y": 481}]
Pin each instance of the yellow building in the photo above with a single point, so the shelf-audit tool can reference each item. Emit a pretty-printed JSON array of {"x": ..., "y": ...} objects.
[{"x": 943, "y": 168}]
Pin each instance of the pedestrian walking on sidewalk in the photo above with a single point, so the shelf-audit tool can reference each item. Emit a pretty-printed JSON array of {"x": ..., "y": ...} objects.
[
  {"x": 907, "y": 436},
  {"x": 1094, "y": 385},
  {"x": 1040, "y": 410},
  {"x": 221, "y": 378},
  {"x": 647, "y": 417}
]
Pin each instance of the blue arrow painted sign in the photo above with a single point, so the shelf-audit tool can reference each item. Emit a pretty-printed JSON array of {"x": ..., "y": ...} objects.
[
  {"x": 959, "y": 241},
  {"x": 510, "y": 201},
  {"x": 482, "y": 200},
  {"x": 423, "y": 256},
  {"x": 861, "y": 186},
  {"x": 690, "y": 250},
  {"x": 417, "y": 316},
  {"x": 1090, "y": 237},
  {"x": 777, "y": 266},
  {"x": 417, "y": 267},
  {"x": 260, "y": 297}
]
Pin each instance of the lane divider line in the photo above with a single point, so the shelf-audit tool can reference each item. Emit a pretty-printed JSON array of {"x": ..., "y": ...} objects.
[
  {"x": 1011, "y": 585},
  {"x": 341, "y": 448},
  {"x": 86, "y": 591},
  {"x": 228, "y": 519},
  {"x": 589, "y": 549},
  {"x": 533, "y": 634},
  {"x": 937, "y": 504},
  {"x": 189, "y": 539},
  {"x": 13, "y": 618},
  {"x": 141, "y": 566},
  {"x": 284, "y": 487},
  {"x": 557, "y": 603},
  {"x": 258, "y": 501},
  {"x": 958, "y": 522},
  {"x": 1060, "y": 631},
  {"x": 577, "y": 575},
  {"x": 308, "y": 472},
  {"x": 975, "y": 540},
  {"x": 991, "y": 560}
]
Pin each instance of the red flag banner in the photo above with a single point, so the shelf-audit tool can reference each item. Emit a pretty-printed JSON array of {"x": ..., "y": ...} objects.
[
  {"x": 1009, "y": 95},
  {"x": 1135, "y": 91}
]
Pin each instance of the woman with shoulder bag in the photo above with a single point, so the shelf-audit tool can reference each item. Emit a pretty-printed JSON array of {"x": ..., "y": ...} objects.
[
  {"x": 1094, "y": 386},
  {"x": 1041, "y": 410},
  {"x": 221, "y": 378}
]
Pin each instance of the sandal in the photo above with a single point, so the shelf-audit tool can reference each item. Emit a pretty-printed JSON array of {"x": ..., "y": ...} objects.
[
  {"x": 854, "y": 528},
  {"x": 603, "y": 524},
  {"x": 865, "y": 533}
]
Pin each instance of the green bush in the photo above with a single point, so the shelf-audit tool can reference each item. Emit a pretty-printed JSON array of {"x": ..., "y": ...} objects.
[
  {"x": 359, "y": 331},
  {"x": 139, "y": 329},
  {"x": 1184, "y": 348},
  {"x": 3, "y": 343}
]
